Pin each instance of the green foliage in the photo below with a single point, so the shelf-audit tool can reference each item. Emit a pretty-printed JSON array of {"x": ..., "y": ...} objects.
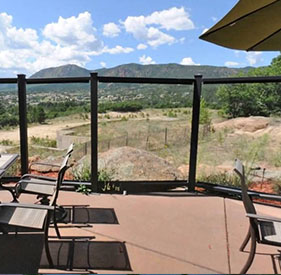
[
  {"x": 253, "y": 99},
  {"x": 36, "y": 114},
  {"x": 125, "y": 106},
  {"x": 83, "y": 173},
  {"x": 84, "y": 189},
  {"x": 6, "y": 142},
  {"x": 46, "y": 142},
  {"x": 205, "y": 115},
  {"x": 8, "y": 115},
  {"x": 124, "y": 118},
  {"x": 171, "y": 114},
  {"x": 221, "y": 178}
]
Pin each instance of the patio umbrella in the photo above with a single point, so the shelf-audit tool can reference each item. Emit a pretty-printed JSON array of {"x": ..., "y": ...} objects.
[{"x": 252, "y": 25}]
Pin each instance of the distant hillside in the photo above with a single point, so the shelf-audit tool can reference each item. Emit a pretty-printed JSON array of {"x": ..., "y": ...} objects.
[
  {"x": 137, "y": 70},
  {"x": 148, "y": 95},
  {"x": 69, "y": 70}
]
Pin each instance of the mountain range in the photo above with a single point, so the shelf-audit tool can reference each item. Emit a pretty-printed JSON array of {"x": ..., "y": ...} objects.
[
  {"x": 149, "y": 95},
  {"x": 137, "y": 70},
  {"x": 154, "y": 95}
]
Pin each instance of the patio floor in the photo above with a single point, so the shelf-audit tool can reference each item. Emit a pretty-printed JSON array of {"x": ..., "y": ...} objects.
[{"x": 169, "y": 234}]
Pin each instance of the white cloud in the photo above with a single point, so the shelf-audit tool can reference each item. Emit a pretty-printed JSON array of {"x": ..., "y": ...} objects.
[
  {"x": 214, "y": 18},
  {"x": 111, "y": 30},
  {"x": 146, "y": 60},
  {"x": 148, "y": 28},
  {"x": 188, "y": 61},
  {"x": 141, "y": 46},
  {"x": 172, "y": 19},
  {"x": 253, "y": 57},
  {"x": 181, "y": 40},
  {"x": 71, "y": 31},
  {"x": 69, "y": 40},
  {"x": 231, "y": 64},
  {"x": 103, "y": 64},
  {"x": 117, "y": 50},
  {"x": 157, "y": 38},
  {"x": 11, "y": 37}
]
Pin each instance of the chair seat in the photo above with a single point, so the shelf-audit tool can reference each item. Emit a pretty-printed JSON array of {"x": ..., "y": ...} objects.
[
  {"x": 270, "y": 231},
  {"x": 44, "y": 188},
  {"x": 24, "y": 217}
]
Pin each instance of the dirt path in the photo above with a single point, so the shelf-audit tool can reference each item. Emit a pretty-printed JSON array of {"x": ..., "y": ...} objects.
[{"x": 41, "y": 131}]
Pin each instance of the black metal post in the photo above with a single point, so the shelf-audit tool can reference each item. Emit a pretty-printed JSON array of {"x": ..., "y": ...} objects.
[
  {"x": 94, "y": 131},
  {"x": 194, "y": 133},
  {"x": 23, "y": 123}
]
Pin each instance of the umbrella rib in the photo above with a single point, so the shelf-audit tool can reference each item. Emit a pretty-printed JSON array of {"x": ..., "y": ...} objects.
[
  {"x": 260, "y": 42},
  {"x": 245, "y": 15}
]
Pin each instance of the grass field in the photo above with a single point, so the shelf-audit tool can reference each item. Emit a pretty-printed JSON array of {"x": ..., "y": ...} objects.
[{"x": 166, "y": 133}]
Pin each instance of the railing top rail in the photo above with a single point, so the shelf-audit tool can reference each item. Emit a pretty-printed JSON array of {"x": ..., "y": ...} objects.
[
  {"x": 57, "y": 80},
  {"x": 146, "y": 80},
  {"x": 241, "y": 80},
  {"x": 8, "y": 80}
]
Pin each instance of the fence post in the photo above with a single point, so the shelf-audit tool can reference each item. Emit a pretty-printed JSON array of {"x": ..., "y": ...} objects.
[
  {"x": 166, "y": 136},
  {"x": 147, "y": 143},
  {"x": 127, "y": 139},
  {"x": 85, "y": 148},
  {"x": 94, "y": 131},
  {"x": 23, "y": 123},
  {"x": 194, "y": 133}
]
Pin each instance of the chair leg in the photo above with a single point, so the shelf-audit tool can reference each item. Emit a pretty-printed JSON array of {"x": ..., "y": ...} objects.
[
  {"x": 246, "y": 240},
  {"x": 56, "y": 226},
  {"x": 251, "y": 254},
  {"x": 47, "y": 249}
]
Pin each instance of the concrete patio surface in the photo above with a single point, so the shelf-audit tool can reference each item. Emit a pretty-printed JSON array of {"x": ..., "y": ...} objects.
[{"x": 172, "y": 234}]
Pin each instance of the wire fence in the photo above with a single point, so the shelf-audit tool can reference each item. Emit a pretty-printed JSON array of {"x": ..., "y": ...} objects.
[{"x": 150, "y": 141}]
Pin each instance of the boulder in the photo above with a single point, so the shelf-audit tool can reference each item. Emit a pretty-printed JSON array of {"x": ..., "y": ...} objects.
[{"x": 127, "y": 163}]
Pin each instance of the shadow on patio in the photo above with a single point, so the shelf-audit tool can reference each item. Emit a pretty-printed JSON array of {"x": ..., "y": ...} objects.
[{"x": 156, "y": 234}]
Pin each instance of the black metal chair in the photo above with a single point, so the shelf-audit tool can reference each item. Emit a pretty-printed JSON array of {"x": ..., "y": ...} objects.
[
  {"x": 262, "y": 229},
  {"x": 49, "y": 190},
  {"x": 39, "y": 185}
]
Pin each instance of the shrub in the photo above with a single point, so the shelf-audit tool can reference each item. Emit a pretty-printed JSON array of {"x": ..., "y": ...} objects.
[
  {"x": 171, "y": 114},
  {"x": 6, "y": 142},
  {"x": 46, "y": 142},
  {"x": 83, "y": 173},
  {"x": 221, "y": 178}
]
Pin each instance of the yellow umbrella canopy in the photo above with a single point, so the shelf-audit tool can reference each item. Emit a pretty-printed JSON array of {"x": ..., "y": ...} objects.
[{"x": 252, "y": 25}]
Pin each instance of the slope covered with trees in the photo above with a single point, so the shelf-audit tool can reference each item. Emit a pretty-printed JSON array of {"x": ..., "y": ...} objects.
[{"x": 242, "y": 100}]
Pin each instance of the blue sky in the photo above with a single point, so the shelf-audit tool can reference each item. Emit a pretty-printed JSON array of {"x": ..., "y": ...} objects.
[{"x": 94, "y": 34}]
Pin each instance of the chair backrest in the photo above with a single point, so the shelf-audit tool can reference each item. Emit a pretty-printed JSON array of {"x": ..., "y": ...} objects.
[
  {"x": 70, "y": 149},
  {"x": 247, "y": 202},
  {"x": 60, "y": 178}
]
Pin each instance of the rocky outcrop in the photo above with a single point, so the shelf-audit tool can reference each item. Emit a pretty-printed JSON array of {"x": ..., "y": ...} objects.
[
  {"x": 248, "y": 124},
  {"x": 128, "y": 163}
]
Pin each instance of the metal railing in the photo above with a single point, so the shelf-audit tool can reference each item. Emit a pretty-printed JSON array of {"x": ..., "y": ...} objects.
[{"x": 198, "y": 81}]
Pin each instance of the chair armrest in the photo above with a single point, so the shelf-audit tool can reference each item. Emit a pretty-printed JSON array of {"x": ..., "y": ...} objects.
[
  {"x": 33, "y": 206},
  {"x": 37, "y": 177},
  {"x": 52, "y": 183},
  {"x": 265, "y": 218}
]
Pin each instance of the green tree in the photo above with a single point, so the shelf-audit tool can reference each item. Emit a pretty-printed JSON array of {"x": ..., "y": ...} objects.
[
  {"x": 253, "y": 99},
  {"x": 205, "y": 115},
  {"x": 41, "y": 115}
]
